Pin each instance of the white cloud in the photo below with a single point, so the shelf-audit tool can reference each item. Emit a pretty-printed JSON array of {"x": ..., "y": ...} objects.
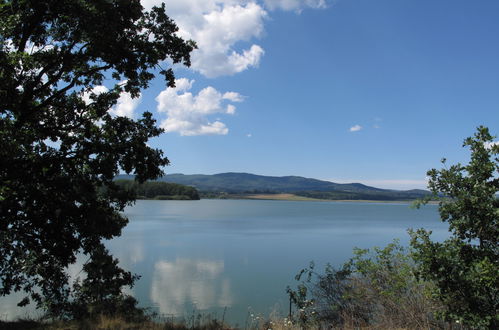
[
  {"x": 355, "y": 128},
  {"x": 296, "y": 5},
  {"x": 231, "y": 109},
  {"x": 183, "y": 84},
  {"x": 249, "y": 135},
  {"x": 220, "y": 28},
  {"x": 95, "y": 91},
  {"x": 217, "y": 37},
  {"x": 489, "y": 145},
  {"x": 188, "y": 114},
  {"x": 125, "y": 105},
  {"x": 233, "y": 96},
  {"x": 224, "y": 30}
]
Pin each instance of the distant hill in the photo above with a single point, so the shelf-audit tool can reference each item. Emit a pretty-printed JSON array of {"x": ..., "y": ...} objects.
[{"x": 245, "y": 183}]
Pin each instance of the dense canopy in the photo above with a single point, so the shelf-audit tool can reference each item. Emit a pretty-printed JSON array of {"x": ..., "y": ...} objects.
[{"x": 59, "y": 143}]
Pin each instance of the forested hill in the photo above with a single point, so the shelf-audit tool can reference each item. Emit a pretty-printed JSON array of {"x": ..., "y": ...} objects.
[{"x": 245, "y": 183}]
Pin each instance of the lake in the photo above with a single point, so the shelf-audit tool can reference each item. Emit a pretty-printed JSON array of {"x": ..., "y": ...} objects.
[{"x": 208, "y": 256}]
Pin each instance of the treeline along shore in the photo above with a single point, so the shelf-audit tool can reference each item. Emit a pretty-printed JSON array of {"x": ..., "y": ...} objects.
[{"x": 159, "y": 190}]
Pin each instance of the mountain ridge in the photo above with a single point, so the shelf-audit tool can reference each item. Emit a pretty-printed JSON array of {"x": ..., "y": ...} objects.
[{"x": 247, "y": 183}]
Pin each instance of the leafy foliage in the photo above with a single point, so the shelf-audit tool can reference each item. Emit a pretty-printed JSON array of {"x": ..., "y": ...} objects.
[
  {"x": 374, "y": 288},
  {"x": 57, "y": 148},
  {"x": 465, "y": 267},
  {"x": 100, "y": 292}
]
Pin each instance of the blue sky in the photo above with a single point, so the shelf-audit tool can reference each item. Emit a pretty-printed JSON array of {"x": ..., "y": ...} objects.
[{"x": 371, "y": 91}]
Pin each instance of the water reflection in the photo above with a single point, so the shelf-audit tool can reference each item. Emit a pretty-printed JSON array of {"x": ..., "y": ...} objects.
[
  {"x": 210, "y": 254},
  {"x": 8, "y": 304},
  {"x": 9, "y": 309},
  {"x": 129, "y": 252},
  {"x": 187, "y": 282}
]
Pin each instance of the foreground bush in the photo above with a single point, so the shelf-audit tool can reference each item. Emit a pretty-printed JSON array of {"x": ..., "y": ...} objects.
[
  {"x": 456, "y": 280},
  {"x": 465, "y": 267},
  {"x": 376, "y": 288}
]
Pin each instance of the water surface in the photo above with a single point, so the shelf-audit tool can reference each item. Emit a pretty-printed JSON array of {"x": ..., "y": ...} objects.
[{"x": 239, "y": 255}]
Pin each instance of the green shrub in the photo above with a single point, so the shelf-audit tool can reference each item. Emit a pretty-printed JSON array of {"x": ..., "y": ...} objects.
[
  {"x": 465, "y": 267},
  {"x": 376, "y": 287}
]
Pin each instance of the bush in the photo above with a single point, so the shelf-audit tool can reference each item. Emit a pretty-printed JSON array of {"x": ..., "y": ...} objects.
[
  {"x": 465, "y": 267},
  {"x": 376, "y": 287}
]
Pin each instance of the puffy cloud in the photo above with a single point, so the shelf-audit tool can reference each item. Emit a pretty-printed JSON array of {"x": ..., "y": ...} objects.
[
  {"x": 188, "y": 114},
  {"x": 355, "y": 128},
  {"x": 296, "y": 5},
  {"x": 218, "y": 26},
  {"x": 217, "y": 36},
  {"x": 231, "y": 109},
  {"x": 233, "y": 96},
  {"x": 125, "y": 106},
  {"x": 95, "y": 91},
  {"x": 224, "y": 30}
]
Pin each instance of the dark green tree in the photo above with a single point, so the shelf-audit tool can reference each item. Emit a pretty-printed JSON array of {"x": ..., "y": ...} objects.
[
  {"x": 159, "y": 190},
  {"x": 58, "y": 151},
  {"x": 465, "y": 267}
]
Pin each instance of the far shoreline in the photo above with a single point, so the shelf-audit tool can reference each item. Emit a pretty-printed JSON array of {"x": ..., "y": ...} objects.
[{"x": 296, "y": 198}]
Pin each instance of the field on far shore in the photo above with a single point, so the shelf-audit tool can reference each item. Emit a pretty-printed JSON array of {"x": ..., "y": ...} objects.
[
  {"x": 293, "y": 197},
  {"x": 281, "y": 197}
]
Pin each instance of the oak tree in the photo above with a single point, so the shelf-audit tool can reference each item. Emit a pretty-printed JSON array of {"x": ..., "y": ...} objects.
[
  {"x": 465, "y": 267},
  {"x": 59, "y": 145}
]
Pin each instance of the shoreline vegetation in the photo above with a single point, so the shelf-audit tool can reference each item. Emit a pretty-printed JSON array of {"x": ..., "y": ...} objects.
[
  {"x": 298, "y": 198},
  {"x": 294, "y": 197},
  {"x": 156, "y": 190}
]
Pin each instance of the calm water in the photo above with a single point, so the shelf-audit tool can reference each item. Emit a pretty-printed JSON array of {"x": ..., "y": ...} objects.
[{"x": 208, "y": 255}]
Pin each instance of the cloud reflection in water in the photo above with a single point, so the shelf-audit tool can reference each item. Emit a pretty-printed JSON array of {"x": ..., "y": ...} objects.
[{"x": 176, "y": 285}]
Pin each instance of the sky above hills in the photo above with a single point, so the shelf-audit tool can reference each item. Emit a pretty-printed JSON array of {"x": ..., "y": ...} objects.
[{"x": 370, "y": 91}]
